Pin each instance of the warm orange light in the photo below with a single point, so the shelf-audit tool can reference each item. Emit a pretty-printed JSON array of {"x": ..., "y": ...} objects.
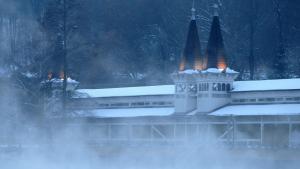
[
  {"x": 198, "y": 64},
  {"x": 221, "y": 64},
  {"x": 204, "y": 63},
  {"x": 181, "y": 65},
  {"x": 61, "y": 75},
  {"x": 50, "y": 75}
]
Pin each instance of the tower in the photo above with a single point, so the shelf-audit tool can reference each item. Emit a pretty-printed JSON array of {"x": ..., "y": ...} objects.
[
  {"x": 185, "y": 84},
  {"x": 203, "y": 84},
  {"x": 191, "y": 56},
  {"x": 215, "y": 52}
]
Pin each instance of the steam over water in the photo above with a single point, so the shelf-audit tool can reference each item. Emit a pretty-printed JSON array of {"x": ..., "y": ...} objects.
[
  {"x": 164, "y": 158},
  {"x": 29, "y": 143},
  {"x": 65, "y": 152},
  {"x": 68, "y": 148}
]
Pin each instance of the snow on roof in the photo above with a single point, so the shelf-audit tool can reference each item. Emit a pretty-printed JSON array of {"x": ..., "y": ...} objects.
[
  {"x": 189, "y": 71},
  {"x": 258, "y": 110},
  {"x": 128, "y": 112},
  {"x": 209, "y": 70},
  {"x": 127, "y": 91},
  {"x": 238, "y": 86},
  {"x": 260, "y": 85}
]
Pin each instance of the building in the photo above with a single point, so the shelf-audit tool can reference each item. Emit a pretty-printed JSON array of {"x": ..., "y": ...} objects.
[
  {"x": 203, "y": 86},
  {"x": 204, "y": 95}
]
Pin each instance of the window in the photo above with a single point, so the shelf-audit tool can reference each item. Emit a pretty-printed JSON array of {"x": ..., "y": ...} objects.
[
  {"x": 192, "y": 88},
  {"x": 138, "y": 104},
  {"x": 228, "y": 87},
  {"x": 206, "y": 86},
  {"x": 270, "y": 99},
  {"x": 223, "y": 87},
  {"x": 119, "y": 104},
  {"x": 158, "y": 103},
  {"x": 252, "y": 100},
  {"x": 220, "y": 95},
  {"x": 293, "y": 98},
  {"x": 215, "y": 87},
  {"x": 180, "y": 88},
  {"x": 235, "y": 100},
  {"x": 203, "y": 87},
  {"x": 219, "y": 87},
  {"x": 162, "y": 103},
  {"x": 103, "y": 105},
  {"x": 243, "y": 100}
]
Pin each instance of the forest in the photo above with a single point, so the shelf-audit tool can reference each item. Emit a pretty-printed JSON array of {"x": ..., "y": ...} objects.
[{"x": 113, "y": 43}]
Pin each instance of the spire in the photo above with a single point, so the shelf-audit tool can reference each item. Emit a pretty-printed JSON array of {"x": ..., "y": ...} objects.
[
  {"x": 215, "y": 52},
  {"x": 191, "y": 57},
  {"x": 193, "y": 10},
  {"x": 216, "y": 9}
]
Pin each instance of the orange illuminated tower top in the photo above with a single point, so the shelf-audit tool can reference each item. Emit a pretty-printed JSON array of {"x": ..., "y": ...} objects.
[
  {"x": 215, "y": 52},
  {"x": 191, "y": 57}
]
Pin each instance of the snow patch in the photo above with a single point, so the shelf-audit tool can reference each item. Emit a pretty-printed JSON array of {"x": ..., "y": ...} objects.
[
  {"x": 189, "y": 71},
  {"x": 209, "y": 70},
  {"x": 58, "y": 83},
  {"x": 228, "y": 70},
  {"x": 29, "y": 75},
  {"x": 265, "y": 85},
  {"x": 128, "y": 112},
  {"x": 127, "y": 91},
  {"x": 214, "y": 70},
  {"x": 258, "y": 110}
]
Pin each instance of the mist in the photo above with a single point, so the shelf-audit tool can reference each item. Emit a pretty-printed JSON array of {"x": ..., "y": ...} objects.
[{"x": 130, "y": 43}]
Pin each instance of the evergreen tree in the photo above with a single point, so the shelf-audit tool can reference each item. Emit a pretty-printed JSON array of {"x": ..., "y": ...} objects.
[{"x": 280, "y": 67}]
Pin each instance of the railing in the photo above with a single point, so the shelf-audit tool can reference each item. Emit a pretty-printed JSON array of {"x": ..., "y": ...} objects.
[{"x": 256, "y": 134}]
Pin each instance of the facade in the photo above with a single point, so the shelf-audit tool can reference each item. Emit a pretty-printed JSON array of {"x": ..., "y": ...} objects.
[
  {"x": 203, "y": 86},
  {"x": 209, "y": 98},
  {"x": 204, "y": 105}
]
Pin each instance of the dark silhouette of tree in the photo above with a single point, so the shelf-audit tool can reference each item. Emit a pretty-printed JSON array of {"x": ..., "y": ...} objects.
[{"x": 280, "y": 60}]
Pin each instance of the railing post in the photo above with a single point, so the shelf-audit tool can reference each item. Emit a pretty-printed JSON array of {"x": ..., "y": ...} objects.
[
  {"x": 198, "y": 133},
  {"x": 290, "y": 132},
  {"x": 151, "y": 132},
  {"x": 208, "y": 136},
  {"x": 233, "y": 131},
  {"x": 109, "y": 131},
  {"x": 185, "y": 131},
  {"x": 129, "y": 137},
  {"x": 261, "y": 132},
  {"x": 174, "y": 131}
]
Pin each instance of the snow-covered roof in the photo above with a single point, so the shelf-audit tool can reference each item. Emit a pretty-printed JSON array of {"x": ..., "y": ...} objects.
[
  {"x": 58, "y": 83},
  {"x": 238, "y": 86},
  {"x": 127, "y": 91},
  {"x": 127, "y": 112},
  {"x": 209, "y": 70},
  {"x": 258, "y": 110},
  {"x": 261, "y": 85}
]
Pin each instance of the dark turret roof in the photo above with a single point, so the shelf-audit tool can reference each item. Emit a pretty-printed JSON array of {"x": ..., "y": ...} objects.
[
  {"x": 215, "y": 53},
  {"x": 191, "y": 57}
]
